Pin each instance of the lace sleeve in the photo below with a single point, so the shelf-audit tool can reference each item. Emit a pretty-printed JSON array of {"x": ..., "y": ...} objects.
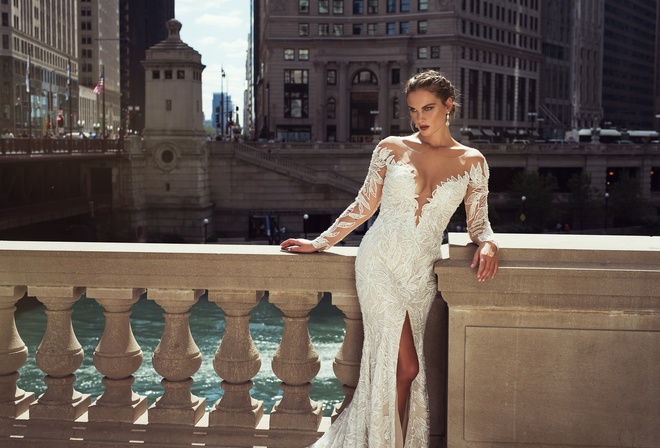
[
  {"x": 476, "y": 205},
  {"x": 364, "y": 205}
]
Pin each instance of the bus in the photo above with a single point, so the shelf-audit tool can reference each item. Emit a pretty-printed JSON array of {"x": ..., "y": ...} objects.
[{"x": 614, "y": 136}]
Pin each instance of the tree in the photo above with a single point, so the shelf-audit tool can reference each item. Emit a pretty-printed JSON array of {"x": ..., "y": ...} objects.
[
  {"x": 627, "y": 204},
  {"x": 537, "y": 210},
  {"x": 581, "y": 204}
]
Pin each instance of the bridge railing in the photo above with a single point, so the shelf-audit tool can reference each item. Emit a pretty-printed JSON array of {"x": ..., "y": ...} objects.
[
  {"x": 561, "y": 349},
  {"x": 46, "y": 146}
]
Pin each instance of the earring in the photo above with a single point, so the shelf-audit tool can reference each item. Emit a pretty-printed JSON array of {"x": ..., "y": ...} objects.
[
  {"x": 412, "y": 126},
  {"x": 447, "y": 119}
]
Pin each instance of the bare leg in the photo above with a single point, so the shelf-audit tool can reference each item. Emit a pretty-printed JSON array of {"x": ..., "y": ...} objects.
[{"x": 407, "y": 367}]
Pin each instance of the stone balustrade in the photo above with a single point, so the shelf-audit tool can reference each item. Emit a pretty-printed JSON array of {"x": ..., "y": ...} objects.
[{"x": 561, "y": 349}]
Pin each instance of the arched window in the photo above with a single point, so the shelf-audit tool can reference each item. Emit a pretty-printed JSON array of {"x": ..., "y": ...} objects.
[
  {"x": 332, "y": 107},
  {"x": 365, "y": 77}
]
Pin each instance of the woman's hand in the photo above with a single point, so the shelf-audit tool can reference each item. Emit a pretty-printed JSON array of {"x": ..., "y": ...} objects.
[
  {"x": 485, "y": 258},
  {"x": 300, "y": 245}
]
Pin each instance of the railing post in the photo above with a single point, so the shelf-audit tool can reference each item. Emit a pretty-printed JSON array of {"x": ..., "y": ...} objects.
[
  {"x": 236, "y": 361},
  {"x": 117, "y": 356},
  {"x": 296, "y": 363},
  {"x": 59, "y": 355},
  {"x": 13, "y": 354},
  {"x": 347, "y": 362},
  {"x": 176, "y": 359}
]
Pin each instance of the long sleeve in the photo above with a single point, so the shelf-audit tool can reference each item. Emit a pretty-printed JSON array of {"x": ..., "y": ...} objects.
[
  {"x": 476, "y": 205},
  {"x": 364, "y": 205}
]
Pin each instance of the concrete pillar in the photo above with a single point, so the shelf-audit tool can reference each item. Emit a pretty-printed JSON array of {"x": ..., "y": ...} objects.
[
  {"x": 117, "y": 356},
  {"x": 59, "y": 355},
  {"x": 296, "y": 363},
  {"x": 13, "y": 354},
  {"x": 237, "y": 361},
  {"x": 176, "y": 358}
]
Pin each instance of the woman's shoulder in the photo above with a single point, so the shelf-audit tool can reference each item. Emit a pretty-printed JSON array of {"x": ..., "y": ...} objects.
[{"x": 472, "y": 155}]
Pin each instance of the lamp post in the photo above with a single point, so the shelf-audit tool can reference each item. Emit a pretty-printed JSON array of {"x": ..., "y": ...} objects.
[
  {"x": 305, "y": 218},
  {"x": 607, "y": 199},
  {"x": 206, "y": 224},
  {"x": 222, "y": 105},
  {"x": 522, "y": 214}
]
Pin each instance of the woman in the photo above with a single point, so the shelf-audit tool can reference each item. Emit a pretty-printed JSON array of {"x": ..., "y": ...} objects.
[{"x": 418, "y": 181}]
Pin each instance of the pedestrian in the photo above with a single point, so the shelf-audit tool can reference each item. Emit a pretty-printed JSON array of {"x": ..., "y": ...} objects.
[{"x": 418, "y": 181}]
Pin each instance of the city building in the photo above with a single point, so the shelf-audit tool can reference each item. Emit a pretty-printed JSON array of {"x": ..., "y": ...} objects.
[
  {"x": 39, "y": 96},
  {"x": 142, "y": 24},
  {"x": 223, "y": 112}
]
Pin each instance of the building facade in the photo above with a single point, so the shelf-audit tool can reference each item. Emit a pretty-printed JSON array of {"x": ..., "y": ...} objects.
[{"x": 40, "y": 97}]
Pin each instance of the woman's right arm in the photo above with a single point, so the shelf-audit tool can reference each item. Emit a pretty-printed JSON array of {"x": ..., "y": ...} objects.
[{"x": 361, "y": 209}]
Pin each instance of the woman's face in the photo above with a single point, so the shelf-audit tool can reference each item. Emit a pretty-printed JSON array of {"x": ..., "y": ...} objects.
[{"x": 427, "y": 111}]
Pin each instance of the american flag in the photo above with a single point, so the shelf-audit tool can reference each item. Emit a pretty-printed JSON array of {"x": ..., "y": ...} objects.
[{"x": 99, "y": 85}]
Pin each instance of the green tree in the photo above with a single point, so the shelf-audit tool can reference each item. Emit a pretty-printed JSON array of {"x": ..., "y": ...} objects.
[
  {"x": 537, "y": 211},
  {"x": 626, "y": 202},
  {"x": 581, "y": 204}
]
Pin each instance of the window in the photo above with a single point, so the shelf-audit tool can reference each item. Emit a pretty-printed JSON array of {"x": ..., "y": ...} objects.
[
  {"x": 324, "y": 7},
  {"x": 296, "y": 93},
  {"x": 303, "y": 54},
  {"x": 422, "y": 53},
  {"x": 5, "y": 42},
  {"x": 303, "y": 6},
  {"x": 180, "y": 74},
  {"x": 390, "y": 28},
  {"x": 372, "y": 6},
  {"x": 86, "y": 12},
  {"x": 391, "y": 6},
  {"x": 86, "y": 26},
  {"x": 395, "y": 74},
  {"x": 395, "y": 108},
  {"x": 357, "y": 29},
  {"x": 338, "y": 29},
  {"x": 86, "y": 40},
  {"x": 405, "y": 6},
  {"x": 168, "y": 74},
  {"x": 358, "y": 6},
  {"x": 331, "y": 77},
  {"x": 289, "y": 54},
  {"x": 404, "y": 28},
  {"x": 332, "y": 108},
  {"x": 324, "y": 29},
  {"x": 5, "y": 19},
  {"x": 423, "y": 5},
  {"x": 155, "y": 74},
  {"x": 435, "y": 52},
  {"x": 338, "y": 7},
  {"x": 303, "y": 29},
  {"x": 365, "y": 77},
  {"x": 422, "y": 27},
  {"x": 372, "y": 29},
  {"x": 168, "y": 104}
]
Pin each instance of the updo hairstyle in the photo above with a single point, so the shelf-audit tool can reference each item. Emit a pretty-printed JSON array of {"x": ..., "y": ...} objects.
[{"x": 436, "y": 83}]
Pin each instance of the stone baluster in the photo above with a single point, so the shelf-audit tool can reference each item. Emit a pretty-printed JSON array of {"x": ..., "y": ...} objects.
[
  {"x": 117, "y": 356},
  {"x": 296, "y": 363},
  {"x": 13, "y": 354},
  {"x": 236, "y": 361},
  {"x": 176, "y": 359},
  {"x": 59, "y": 355},
  {"x": 347, "y": 362}
]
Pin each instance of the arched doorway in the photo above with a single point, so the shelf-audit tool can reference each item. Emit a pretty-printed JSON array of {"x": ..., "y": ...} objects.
[{"x": 364, "y": 106}]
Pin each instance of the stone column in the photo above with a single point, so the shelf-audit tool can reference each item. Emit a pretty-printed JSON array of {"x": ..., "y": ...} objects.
[
  {"x": 59, "y": 355},
  {"x": 176, "y": 358},
  {"x": 343, "y": 110},
  {"x": 13, "y": 354},
  {"x": 296, "y": 363},
  {"x": 236, "y": 361},
  {"x": 347, "y": 361},
  {"x": 117, "y": 356},
  {"x": 383, "y": 99}
]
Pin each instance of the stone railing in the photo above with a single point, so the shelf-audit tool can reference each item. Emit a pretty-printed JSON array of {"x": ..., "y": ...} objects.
[{"x": 561, "y": 349}]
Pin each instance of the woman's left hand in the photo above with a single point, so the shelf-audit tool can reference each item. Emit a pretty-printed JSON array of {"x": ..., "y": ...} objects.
[{"x": 485, "y": 258}]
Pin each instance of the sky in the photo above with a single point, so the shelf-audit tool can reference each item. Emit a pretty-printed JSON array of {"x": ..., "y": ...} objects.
[{"x": 218, "y": 30}]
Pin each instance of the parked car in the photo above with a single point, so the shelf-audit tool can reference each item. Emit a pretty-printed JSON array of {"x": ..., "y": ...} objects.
[{"x": 520, "y": 142}]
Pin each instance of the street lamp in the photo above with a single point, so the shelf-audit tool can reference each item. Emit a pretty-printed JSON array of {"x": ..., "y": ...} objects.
[
  {"x": 305, "y": 218},
  {"x": 522, "y": 215},
  {"x": 206, "y": 224}
]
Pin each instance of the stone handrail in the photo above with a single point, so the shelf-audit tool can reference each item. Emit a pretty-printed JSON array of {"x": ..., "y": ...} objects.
[{"x": 561, "y": 349}]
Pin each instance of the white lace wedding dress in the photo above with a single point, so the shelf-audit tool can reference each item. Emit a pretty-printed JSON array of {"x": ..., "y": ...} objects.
[{"x": 394, "y": 275}]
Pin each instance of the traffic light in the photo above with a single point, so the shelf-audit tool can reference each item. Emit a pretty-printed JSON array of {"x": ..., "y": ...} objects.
[{"x": 60, "y": 121}]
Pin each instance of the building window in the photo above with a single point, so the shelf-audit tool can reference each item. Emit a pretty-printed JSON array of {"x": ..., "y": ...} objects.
[
  {"x": 422, "y": 27},
  {"x": 303, "y": 54},
  {"x": 338, "y": 7},
  {"x": 5, "y": 42},
  {"x": 289, "y": 54},
  {"x": 372, "y": 29},
  {"x": 168, "y": 105},
  {"x": 358, "y": 6},
  {"x": 180, "y": 74},
  {"x": 324, "y": 6},
  {"x": 435, "y": 52},
  {"x": 303, "y": 6},
  {"x": 87, "y": 40},
  {"x": 296, "y": 93},
  {"x": 405, "y": 6},
  {"x": 422, "y": 53},
  {"x": 390, "y": 28},
  {"x": 5, "y": 19},
  {"x": 338, "y": 29},
  {"x": 303, "y": 29},
  {"x": 331, "y": 77},
  {"x": 365, "y": 77},
  {"x": 86, "y": 12},
  {"x": 324, "y": 29},
  {"x": 391, "y": 6},
  {"x": 372, "y": 6},
  {"x": 332, "y": 108},
  {"x": 86, "y": 26},
  {"x": 404, "y": 28},
  {"x": 168, "y": 74},
  {"x": 395, "y": 108},
  {"x": 155, "y": 74},
  {"x": 357, "y": 29},
  {"x": 395, "y": 76},
  {"x": 423, "y": 5}
]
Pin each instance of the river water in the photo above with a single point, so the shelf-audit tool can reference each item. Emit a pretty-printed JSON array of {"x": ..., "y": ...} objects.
[{"x": 326, "y": 328}]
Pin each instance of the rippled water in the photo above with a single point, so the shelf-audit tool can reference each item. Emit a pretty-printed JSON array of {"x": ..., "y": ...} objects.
[{"x": 326, "y": 327}]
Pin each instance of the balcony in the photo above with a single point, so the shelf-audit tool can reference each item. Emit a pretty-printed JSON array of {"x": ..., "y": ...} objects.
[{"x": 561, "y": 349}]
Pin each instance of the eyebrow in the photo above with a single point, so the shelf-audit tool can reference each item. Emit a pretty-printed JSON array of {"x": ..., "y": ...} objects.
[{"x": 426, "y": 105}]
